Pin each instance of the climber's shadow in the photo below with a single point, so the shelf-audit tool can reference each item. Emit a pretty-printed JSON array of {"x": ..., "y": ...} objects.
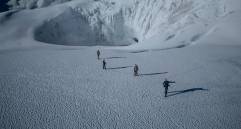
[
  {"x": 173, "y": 93},
  {"x": 152, "y": 74},
  {"x": 123, "y": 67}
]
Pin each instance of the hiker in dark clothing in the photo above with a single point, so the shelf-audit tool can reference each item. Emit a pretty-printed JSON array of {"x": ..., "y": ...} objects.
[
  {"x": 104, "y": 64},
  {"x": 98, "y": 54},
  {"x": 136, "y": 69},
  {"x": 166, "y": 84}
]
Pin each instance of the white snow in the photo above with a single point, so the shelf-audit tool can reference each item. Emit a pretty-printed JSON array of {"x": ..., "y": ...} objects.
[
  {"x": 50, "y": 76},
  {"x": 58, "y": 87}
]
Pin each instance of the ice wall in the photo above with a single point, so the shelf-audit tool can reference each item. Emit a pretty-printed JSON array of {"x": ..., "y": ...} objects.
[
  {"x": 168, "y": 18},
  {"x": 112, "y": 22}
]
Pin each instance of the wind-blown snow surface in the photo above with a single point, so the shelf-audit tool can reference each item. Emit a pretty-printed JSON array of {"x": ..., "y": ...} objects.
[
  {"x": 52, "y": 86},
  {"x": 58, "y": 87}
]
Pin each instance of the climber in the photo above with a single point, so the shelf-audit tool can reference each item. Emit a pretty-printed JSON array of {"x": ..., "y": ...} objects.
[
  {"x": 104, "y": 64},
  {"x": 166, "y": 84},
  {"x": 136, "y": 69},
  {"x": 98, "y": 54}
]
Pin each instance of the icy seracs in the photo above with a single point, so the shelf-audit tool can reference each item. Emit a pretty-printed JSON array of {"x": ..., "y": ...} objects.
[{"x": 106, "y": 22}]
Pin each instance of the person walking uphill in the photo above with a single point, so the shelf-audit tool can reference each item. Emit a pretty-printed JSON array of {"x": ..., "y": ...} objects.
[
  {"x": 98, "y": 54},
  {"x": 104, "y": 64},
  {"x": 166, "y": 84},
  {"x": 136, "y": 69}
]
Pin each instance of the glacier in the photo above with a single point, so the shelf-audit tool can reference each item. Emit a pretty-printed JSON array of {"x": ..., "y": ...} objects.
[{"x": 114, "y": 23}]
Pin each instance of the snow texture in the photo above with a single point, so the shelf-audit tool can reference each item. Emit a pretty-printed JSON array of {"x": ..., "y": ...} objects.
[{"x": 58, "y": 87}]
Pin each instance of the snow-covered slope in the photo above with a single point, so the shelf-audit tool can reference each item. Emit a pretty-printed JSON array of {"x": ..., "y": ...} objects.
[
  {"x": 225, "y": 32},
  {"x": 31, "y": 4},
  {"x": 161, "y": 24},
  {"x": 119, "y": 23},
  {"x": 65, "y": 87}
]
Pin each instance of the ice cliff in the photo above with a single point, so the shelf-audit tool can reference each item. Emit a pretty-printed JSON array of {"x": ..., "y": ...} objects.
[{"x": 112, "y": 22}]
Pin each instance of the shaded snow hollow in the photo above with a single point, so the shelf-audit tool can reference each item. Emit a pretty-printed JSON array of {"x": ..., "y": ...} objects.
[
  {"x": 113, "y": 23},
  {"x": 74, "y": 28}
]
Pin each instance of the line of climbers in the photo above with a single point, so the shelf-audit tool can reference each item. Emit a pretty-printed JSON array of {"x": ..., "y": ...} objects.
[{"x": 166, "y": 83}]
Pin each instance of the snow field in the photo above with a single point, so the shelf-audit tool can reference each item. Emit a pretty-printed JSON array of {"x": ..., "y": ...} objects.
[{"x": 59, "y": 87}]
